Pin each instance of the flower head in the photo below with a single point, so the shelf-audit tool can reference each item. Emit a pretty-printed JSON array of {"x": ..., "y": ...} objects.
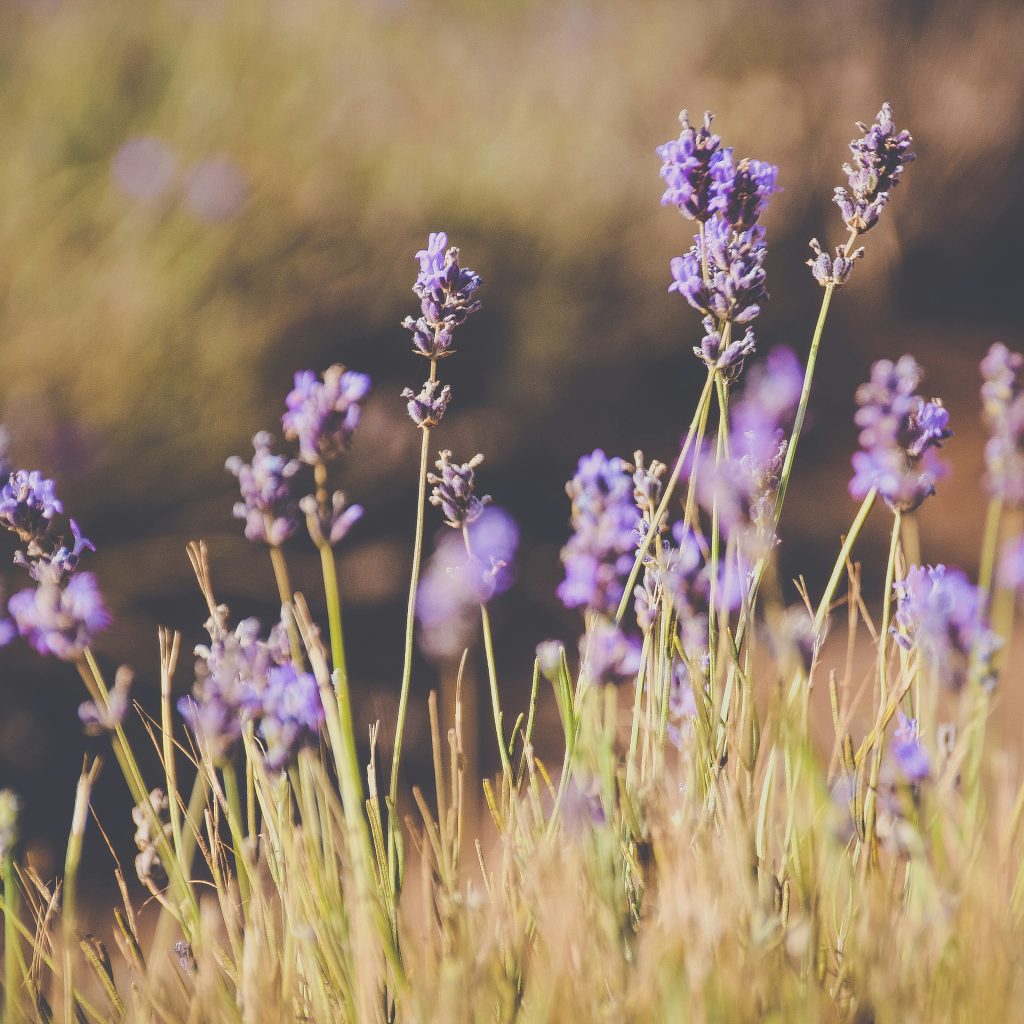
[
  {"x": 454, "y": 484},
  {"x": 151, "y": 817},
  {"x": 61, "y": 621},
  {"x": 907, "y": 750},
  {"x": 829, "y": 271},
  {"x": 740, "y": 190},
  {"x": 686, "y": 165},
  {"x": 941, "y": 614},
  {"x": 607, "y": 655},
  {"x": 876, "y": 166},
  {"x": 54, "y": 559},
  {"x": 292, "y": 714},
  {"x": 268, "y": 505},
  {"x": 1002, "y": 395},
  {"x": 98, "y": 718},
  {"x": 600, "y": 552},
  {"x": 322, "y": 414},
  {"x": 331, "y": 525},
  {"x": 446, "y": 291},
  {"x": 899, "y": 434},
  {"x": 428, "y": 407},
  {"x": 28, "y": 501}
]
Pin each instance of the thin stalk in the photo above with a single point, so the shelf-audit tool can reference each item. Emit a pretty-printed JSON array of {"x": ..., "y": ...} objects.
[
  {"x": 12, "y": 944},
  {"x": 410, "y": 624},
  {"x": 720, "y": 454},
  {"x": 492, "y": 674},
  {"x": 702, "y": 403},
  {"x": 989, "y": 545},
  {"x": 284, "y": 591},
  {"x": 844, "y": 556},
  {"x": 235, "y": 827}
]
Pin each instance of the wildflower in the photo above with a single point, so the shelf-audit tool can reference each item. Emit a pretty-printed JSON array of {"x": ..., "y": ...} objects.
[
  {"x": 10, "y": 806},
  {"x": 61, "y": 621},
  {"x": 445, "y": 290},
  {"x": 292, "y": 714},
  {"x": 268, "y": 505},
  {"x": 453, "y": 490},
  {"x": 907, "y": 750},
  {"x": 55, "y": 565},
  {"x": 231, "y": 675},
  {"x": 682, "y": 706},
  {"x": 1002, "y": 395},
  {"x": 329, "y": 526},
  {"x": 740, "y": 190},
  {"x": 151, "y": 819},
  {"x": 735, "y": 288},
  {"x": 686, "y": 168},
  {"x": 459, "y": 578},
  {"x": 879, "y": 157},
  {"x": 608, "y": 655},
  {"x": 829, "y": 271},
  {"x": 899, "y": 434},
  {"x": 941, "y": 614},
  {"x": 687, "y": 584},
  {"x": 1011, "y": 565},
  {"x": 427, "y": 408},
  {"x": 648, "y": 485},
  {"x": 28, "y": 502},
  {"x": 322, "y": 414},
  {"x": 599, "y": 555},
  {"x": 99, "y": 718}
]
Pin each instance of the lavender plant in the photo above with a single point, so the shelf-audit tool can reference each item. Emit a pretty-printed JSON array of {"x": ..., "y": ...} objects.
[{"x": 701, "y": 853}]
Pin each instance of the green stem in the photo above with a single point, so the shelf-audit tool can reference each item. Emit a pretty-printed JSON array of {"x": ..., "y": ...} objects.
[
  {"x": 12, "y": 943},
  {"x": 235, "y": 827},
  {"x": 844, "y": 556},
  {"x": 989, "y": 545},
  {"x": 705, "y": 398},
  {"x": 284, "y": 591}
]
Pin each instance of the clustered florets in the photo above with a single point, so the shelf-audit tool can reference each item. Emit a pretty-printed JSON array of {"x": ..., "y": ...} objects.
[
  {"x": 242, "y": 678},
  {"x": 722, "y": 276},
  {"x": 878, "y": 159},
  {"x": 428, "y": 407},
  {"x": 1002, "y": 396},
  {"x": 899, "y": 435},
  {"x": 268, "y": 505},
  {"x": 454, "y": 485},
  {"x": 941, "y": 613},
  {"x": 599, "y": 554},
  {"x": 323, "y": 413}
]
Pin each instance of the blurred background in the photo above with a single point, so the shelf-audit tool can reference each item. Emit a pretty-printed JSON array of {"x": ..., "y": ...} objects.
[{"x": 198, "y": 197}]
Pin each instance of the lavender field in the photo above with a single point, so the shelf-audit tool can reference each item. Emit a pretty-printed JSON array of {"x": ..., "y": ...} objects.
[{"x": 619, "y": 625}]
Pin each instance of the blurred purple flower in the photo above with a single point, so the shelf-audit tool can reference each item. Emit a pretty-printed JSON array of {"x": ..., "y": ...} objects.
[
  {"x": 28, "y": 502},
  {"x": 292, "y": 714},
  {"x": 145, "y": 167},
  {"x": 216, "y": 189},
  {"x": 907, "y": 750},
  {"x": 1002, "y": 395},
  {"x": 427, "y": 408},
  {"x": 98, "y": 719},
  {"x": 60, "y": 561},
  {"x": 330, "y": 526},
  {"x": 740, "y": 190},
  {"x": 607, "y": 655},
  {"x": 899, "y": 432},
  {"x": 268, "y": 505},
  {"x": 1011, "y": 565},
  {"x": 942, "y": 614},
  {"x": 456, "y": 581},
  {"x": 60, "y": 621},
  {"x": 599, "y": 555},
  {"x": 323, "y": 413}
]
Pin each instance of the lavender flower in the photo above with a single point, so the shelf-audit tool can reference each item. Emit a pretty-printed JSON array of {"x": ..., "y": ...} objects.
[
  {"x": 427, "y": 408},
  {"x": 828, "y": 271},
  {"x": 941, "y": 614},
  {"x": 599, "y": 555},
  {"x": 28, "y": 502},
  {"x": 878, "y": 160},
  {"x": 608, "y": 655},
  {"x": 1002, "y": 395},
  {"x": 231, "y": 675},
  {"x": 454, "y": 484},
  {"x": 735, "y": 289},
  {"x": 100, "y": 718},
  {"x": 60, "y": 621},
  {"x": 268, "y": 505},
  {"x": 740, "y": 190},
  {"x": 322, "y": 415},
  {"x": 457, "y": 581},
  {"x": 446, "y": 291},
  {"x": 899, "y": 432},
  {"x": 57, "y": 564},
  {"x": 1011, "y": 565},
  {"x": 292, "y": 714},
  {"x": 682, "y": 706},
  {"x": 686, "y": 165},
  {"x": 329, "y": 526},
  {"x": 907, "y": 750}
]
